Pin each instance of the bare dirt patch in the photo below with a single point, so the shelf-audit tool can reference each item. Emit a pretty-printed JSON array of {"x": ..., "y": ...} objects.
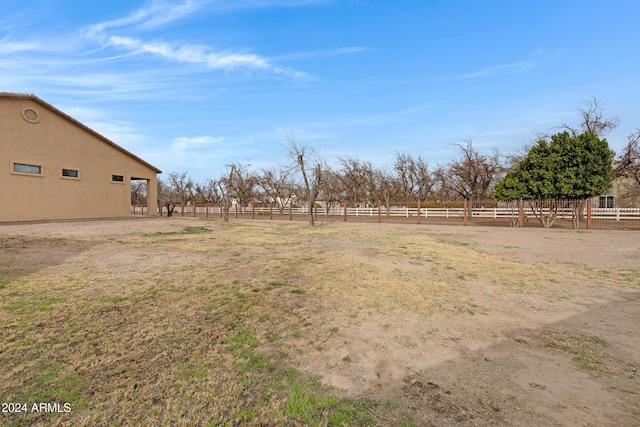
[{"x": 195, "y": 322}]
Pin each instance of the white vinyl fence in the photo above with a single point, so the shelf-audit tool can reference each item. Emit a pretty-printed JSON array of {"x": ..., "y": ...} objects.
[{"x": 617, "y": 214}]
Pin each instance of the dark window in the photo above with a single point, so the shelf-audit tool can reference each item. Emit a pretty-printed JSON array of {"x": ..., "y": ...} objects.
[
  {"x": 605, "y": 202},
  {"x": 71, "y": 173},
  {"x": 117, "y": 178},
  {"x": 24, "y": 168}
]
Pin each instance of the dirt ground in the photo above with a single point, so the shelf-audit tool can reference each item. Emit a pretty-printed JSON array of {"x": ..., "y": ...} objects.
[{"x": 443, "y": 325}]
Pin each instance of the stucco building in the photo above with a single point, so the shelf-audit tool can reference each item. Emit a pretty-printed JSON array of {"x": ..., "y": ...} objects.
[
  {"x": 52, "y": 167},
  {"x": 624, "y": 193}
]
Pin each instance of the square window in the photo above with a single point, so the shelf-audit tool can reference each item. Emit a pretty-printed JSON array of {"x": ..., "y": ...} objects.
[
  {"x": 605, "y": 202},
  {"x": 70, "y": 173},
  {"x": 25, "y": 168}
]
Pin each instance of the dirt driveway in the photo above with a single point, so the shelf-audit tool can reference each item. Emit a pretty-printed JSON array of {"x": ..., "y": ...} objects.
[{"x": 448, "y": 325}]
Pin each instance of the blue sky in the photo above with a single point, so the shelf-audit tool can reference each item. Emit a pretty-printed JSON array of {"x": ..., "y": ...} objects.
[{"x": 191, "y": 85}]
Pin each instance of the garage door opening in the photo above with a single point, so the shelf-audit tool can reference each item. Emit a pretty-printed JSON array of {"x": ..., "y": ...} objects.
[{"x": 140, "y": 197}]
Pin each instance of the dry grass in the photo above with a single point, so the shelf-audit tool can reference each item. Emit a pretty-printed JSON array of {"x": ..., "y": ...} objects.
[{"x": 201, "y": 325}]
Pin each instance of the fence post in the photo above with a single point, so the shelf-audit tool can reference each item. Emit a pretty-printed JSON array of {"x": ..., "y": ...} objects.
[
  {"x": 588, "y": 214},
  {"x": 464, "y": 210},
  {"x": 379, "y": 213},
  {"x": 418, "y": 211},
  {"x": 345, "y": 211},
  {"x": 270, "y": 210},
  {"x": 520, "y": 213}
]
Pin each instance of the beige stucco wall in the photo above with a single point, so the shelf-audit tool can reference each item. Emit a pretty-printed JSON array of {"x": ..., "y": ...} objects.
[
  {"x": 54, "y": 142},
  {"x": 626, "y": 192}
]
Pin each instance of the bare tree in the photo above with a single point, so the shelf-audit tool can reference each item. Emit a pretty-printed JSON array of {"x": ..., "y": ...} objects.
[
  {"x": 278, "y": 187},
  {"x": 628, "y": 163},
  {"x": 592, "y": 120},
  {"x": 242, "y": 184},
  {"x": 181, "y": 185},
  {"x": 386, "y": 187},
  {"x": 177, "y": 190},
  {"x": 358, "y": 181},
  {"x": 207, "y": 192},
  {"x": 414, "y": 179},
  {"x": 138, "y": 192},
  {"x": 473, "y": 175},
  {"x": 310, "y": 167},
  {"x": 166, "y": 197},
  {"x": 224, "y": 186},
  {"x": 442, "y": 188},
  {"x": 332, "y": 188}
]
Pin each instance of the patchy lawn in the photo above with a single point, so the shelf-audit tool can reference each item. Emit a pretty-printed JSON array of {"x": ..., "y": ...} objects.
[{"x": 195, "y": 322}]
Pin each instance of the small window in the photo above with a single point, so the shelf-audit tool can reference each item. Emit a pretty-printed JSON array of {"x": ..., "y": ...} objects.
[
  {"x": 605, "y": 202},
  {"x": 117, "y": 178},
  {"x": 24, "y": 168},
  {"x": 70, "y": 173}
]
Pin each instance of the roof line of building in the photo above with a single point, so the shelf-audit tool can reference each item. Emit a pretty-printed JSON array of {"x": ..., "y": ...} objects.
[{"x": 32, "y": 97}]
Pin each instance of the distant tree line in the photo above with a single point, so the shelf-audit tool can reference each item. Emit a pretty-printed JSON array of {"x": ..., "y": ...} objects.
[{"x": 573, "y": 163}]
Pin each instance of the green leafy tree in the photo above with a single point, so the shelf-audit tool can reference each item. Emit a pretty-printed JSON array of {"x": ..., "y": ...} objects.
[{"x": 561, "y": 167}]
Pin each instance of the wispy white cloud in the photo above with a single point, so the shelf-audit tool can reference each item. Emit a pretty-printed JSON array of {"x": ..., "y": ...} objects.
[
  {"x": 108, "y": 66},
  {"x": 8, "y": 46},
  {"x": 514, "y": 67},
  {"x": 153, "y": 15},
  {"x": 192, "y": 54},
  {"x": 162, "y": 12},
  {"x": 157, "y": 13},
  {"x": 87, "y": 79},
  {"x": 196, "y": 54}
]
